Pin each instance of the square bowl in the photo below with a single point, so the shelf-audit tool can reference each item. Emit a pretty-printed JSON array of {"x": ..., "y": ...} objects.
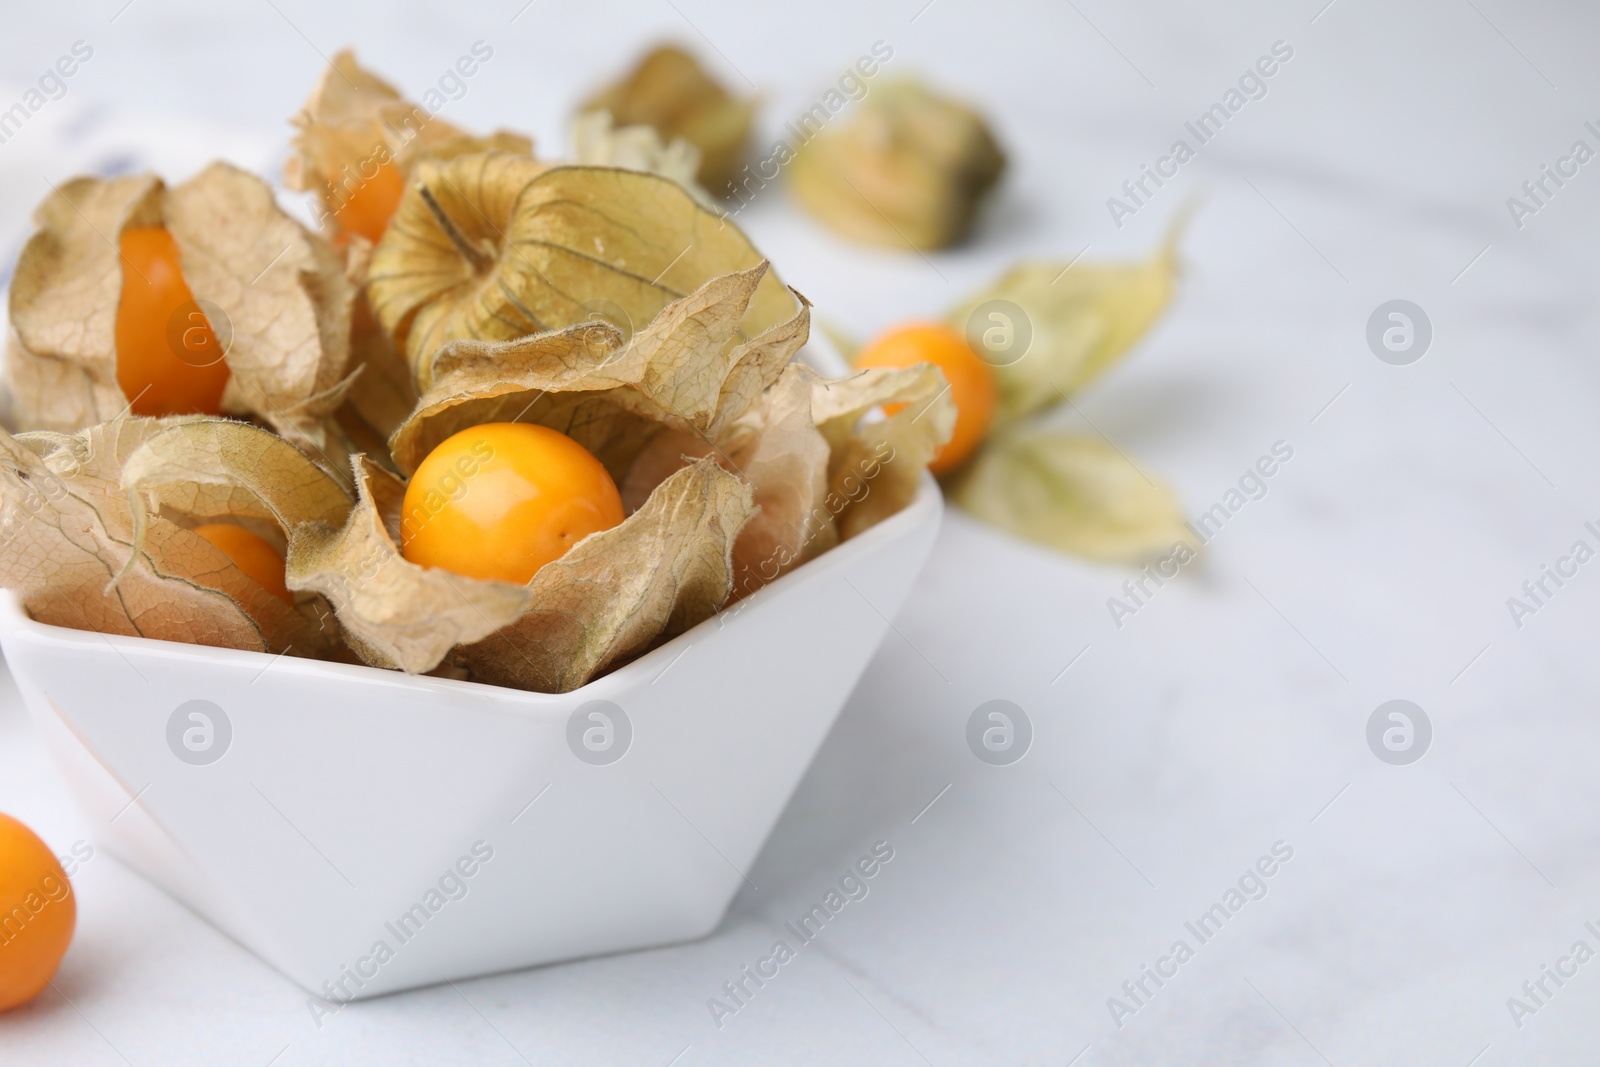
[{"x": 365, "y": 831}]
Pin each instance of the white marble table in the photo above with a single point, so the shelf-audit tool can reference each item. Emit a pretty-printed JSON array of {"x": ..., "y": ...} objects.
[{"x": 1170, "y": 753}]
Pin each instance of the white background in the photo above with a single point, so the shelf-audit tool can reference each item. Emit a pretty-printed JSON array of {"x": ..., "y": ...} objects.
[{"x": 1223, "y": 717}]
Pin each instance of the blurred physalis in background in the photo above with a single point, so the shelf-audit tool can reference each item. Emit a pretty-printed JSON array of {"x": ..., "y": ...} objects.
[
  {"x": 670, "y": 92},
  {"x": 910, "y": 168}
]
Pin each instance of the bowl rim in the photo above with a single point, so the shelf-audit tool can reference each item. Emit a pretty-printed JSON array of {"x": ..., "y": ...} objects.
[{"x": 924, "y": 506}]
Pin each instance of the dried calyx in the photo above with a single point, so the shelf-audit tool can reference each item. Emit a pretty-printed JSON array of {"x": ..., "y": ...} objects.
[
  {"x": 357, "y": 145},
  {"x": 281, "y": 293},
  {"x": 99, "y": 530},
  {"x": 670, "y": 92},
  {"x": 359, "y": 139},
  {"x": 908, "y": 169},
  {"x": 493, "y": 247}
]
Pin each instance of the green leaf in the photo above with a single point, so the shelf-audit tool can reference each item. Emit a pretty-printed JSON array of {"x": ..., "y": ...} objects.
[
  {"x": 1075, "y": 494},
  {"x": 1081, "y": 317}
]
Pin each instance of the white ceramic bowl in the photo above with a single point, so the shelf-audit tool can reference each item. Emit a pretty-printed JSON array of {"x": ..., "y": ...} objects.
[{"x": 450, "y": 822}]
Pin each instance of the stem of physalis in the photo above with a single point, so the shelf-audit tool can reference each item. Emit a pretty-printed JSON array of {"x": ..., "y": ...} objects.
[{"x": 481, "y": 262}]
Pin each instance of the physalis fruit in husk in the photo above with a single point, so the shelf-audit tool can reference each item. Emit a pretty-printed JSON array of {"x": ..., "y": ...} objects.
[
  {"x": 1076, "y": 494},
  {"x": 252, "y": 553},
  {"x": 972, "y": 387},
  {"x": 102, "y": 530},
  {"x": 669, "y": 91},
  {"x": 102, "y": 323},
  {"x": 502, "y": 499},
  {"x": 609, "y": 306},
  {"x": 733, "y": 464},
  {"x": 358, "y": 142},
  {"x": 492, "y": 246},
  {"x": 149, "y": 367},
  {"x": 908, "y": 169}
]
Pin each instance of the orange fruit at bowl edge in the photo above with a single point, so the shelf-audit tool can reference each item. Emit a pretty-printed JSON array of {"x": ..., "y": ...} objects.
[
  {"x": 156, "y": 321},
  {"x": 38, "y": 911},
  {"x": 501, "y": 500},
  {"x": 252, "y": 554},
  {"x": 972, "y": 385}
]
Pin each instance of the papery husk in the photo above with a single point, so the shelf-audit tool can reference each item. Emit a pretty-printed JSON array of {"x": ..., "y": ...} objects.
[
  {"x": 354, "y": 121},
  {"x": 1083, "y": 318},
  {"x": 1073, "y": 494},
  {"x": 689, "y": 369},
  {"x": 666, "y": 568},
  {"x": 285, "y": 293},
  {"x": 776, "y": 448},
  {"x": 215, "y": 468},
  {"x": 62, "y": 363},
  {"x": 876, "y": 465},
  {"x": 393, "y": 613},
  {"x": 684, "y": 388},
  {"x": 597, "y": 141},
  {"x": 823, "y": 463},
  {"x": 56, "y": 395},
  {"x": 492, "y": 247},
  {"x": 908, "y": 169},
  {"x": 669, "y": 91},
  {"x": 383, "y": 392},
  {"x": 69, "y": 531}
]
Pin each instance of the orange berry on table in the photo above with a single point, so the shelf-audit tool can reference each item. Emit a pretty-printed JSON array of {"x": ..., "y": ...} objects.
[
  {"x": 168, "y": 359},
  {"x": 501, "y": 500},
  {"x": 368, "y": 209},
  {"x": 972, "y": 385},
  {"x": 251, "y": 553},
  {"x": 38, "y": 911}
]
